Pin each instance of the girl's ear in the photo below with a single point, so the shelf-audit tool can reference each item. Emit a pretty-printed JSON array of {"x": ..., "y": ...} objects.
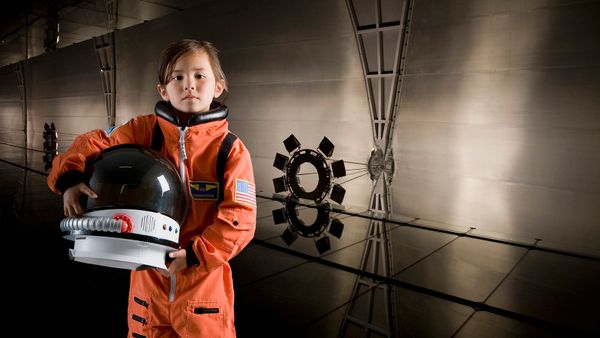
[
  {"x": 162, "y": 91},
  {"x": 219, "y": 86}
]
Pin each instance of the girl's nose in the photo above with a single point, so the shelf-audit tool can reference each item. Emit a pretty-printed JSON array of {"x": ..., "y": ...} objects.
[{"x": 190, "y": 85}]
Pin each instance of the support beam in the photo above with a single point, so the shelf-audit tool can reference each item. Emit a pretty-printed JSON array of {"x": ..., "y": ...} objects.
[{"x": 105, "y": 54}]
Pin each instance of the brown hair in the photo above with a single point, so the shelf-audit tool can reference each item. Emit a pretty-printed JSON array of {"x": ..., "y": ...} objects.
[{"x": 174, "y": 51}]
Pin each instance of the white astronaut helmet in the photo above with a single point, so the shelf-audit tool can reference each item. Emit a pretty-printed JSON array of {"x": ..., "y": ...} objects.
[{"x": 135, "y": 221}]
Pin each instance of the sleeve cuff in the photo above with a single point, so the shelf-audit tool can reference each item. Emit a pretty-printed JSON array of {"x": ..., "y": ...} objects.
[
  {"x": 69, "y": 179},
  {"x": 190, "y": 256}
]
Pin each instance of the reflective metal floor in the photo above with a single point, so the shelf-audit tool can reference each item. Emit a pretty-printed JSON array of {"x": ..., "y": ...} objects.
[{"x": 378, "y": 279}]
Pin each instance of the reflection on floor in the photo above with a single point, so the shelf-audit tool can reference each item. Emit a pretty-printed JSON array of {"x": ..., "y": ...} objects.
[{"x": 410, "y": 282}]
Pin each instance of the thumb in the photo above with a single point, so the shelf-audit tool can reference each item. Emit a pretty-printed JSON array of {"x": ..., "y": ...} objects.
[
  {"x": 88, "y": 191},
  {"x": 177, "y": 254}
]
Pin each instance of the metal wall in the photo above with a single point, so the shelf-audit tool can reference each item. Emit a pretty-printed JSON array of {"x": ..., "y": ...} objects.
[
  {"x": 64, "y": 87},
  {"x": 499, "y": 124},
  {"x": 11, "y": 111},
  {"x": 292, "y": 67}
]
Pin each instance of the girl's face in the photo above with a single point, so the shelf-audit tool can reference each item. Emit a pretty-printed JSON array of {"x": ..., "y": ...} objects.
[{"x": 192, "y": 85}]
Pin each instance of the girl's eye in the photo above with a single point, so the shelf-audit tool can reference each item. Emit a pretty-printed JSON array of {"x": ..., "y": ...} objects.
[
  {"x": 199, "y": 76},
  {"x": 178, "y": 77}
]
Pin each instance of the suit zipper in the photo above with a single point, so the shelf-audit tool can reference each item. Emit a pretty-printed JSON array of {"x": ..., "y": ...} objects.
[{"x": 182, "y": 158}]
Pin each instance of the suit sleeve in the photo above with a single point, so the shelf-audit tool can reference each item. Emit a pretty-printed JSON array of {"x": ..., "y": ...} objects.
[
  {"x": 235, "y": 221},
  {"x": 68, "y": 168}
]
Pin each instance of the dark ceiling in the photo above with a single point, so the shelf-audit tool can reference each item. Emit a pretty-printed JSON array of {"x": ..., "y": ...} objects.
[{"x": 32, "y": 27}]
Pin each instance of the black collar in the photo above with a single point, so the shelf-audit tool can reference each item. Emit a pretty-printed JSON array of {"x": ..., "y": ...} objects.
[{"x": 217, "y": 111}]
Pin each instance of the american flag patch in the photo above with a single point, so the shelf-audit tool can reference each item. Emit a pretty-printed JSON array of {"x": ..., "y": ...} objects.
[{"x": 245, "y": 192}]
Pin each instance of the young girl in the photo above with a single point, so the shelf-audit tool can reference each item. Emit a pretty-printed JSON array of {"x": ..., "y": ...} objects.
[{"x": 194, "y": 298}]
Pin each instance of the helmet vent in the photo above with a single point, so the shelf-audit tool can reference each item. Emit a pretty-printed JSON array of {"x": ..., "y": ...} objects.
[{"x": 148, "y": 223}]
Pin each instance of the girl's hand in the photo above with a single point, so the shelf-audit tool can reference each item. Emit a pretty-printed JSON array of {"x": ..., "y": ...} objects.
[
  {"x": 178, "y": 263},
  {"x": 71, "y": 205}
]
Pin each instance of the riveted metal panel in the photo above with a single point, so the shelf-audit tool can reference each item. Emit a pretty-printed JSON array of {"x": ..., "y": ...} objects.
[
  {"x": 11, "y": 110},
  {"x": 293, "y": 68},
  {"x": 64, "y": 87},
  {"x": 498, "y": 126}
]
